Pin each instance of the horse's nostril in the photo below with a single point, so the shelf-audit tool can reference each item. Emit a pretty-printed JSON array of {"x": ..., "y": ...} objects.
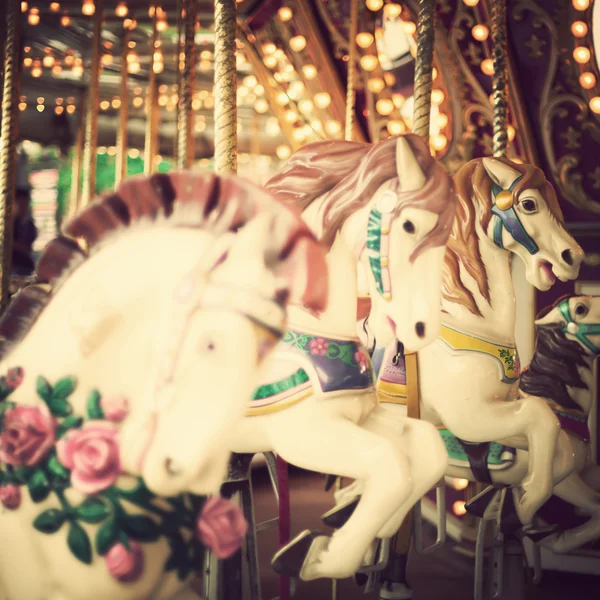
[
  {"x": 171, "y": 467},
  {"x": 567, "y": 257},
  {"x": 420, "y": 329}
]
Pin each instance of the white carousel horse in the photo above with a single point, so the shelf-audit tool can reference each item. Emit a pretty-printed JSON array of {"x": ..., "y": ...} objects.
[
  {"x": 388, "y": 206},
  {"x": 466, "y": 375},
  {"x": 160, "y": 291}
]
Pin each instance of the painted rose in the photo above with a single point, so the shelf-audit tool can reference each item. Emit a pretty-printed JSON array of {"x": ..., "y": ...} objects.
[
  {"x": 125, "y": 565},
  {"x": 222, "y": 526},
  {"x": 92, "y": 455},
  {"x": 361, "y": 358},
  {"x": 27, "y": 436},
  {"x": 318, "y": 346},
  {"x": 115, "y": 408},
  {"x": 10, "y": 496},
  {"x": 14, "y": 377}
]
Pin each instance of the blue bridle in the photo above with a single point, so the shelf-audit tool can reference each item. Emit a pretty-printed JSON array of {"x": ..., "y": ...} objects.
[
  {"x": 509, "y": 219},
  {"x": 579, "y": 330}
]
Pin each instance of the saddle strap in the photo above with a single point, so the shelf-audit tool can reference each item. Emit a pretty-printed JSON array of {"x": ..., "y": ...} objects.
[
  {"x": 477, "y": 453},
  {"x": 413, "y": 407}
]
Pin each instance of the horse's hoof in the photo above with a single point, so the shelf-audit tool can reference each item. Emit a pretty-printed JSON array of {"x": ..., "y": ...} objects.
[
  {"x": 361, "y": 579},
  {"x": 479, "y": 503},
  {"x": 538, "y": 534},
  {"x": 395, "y": 591},
  {"x": 290, "y": 559},
  {"x": 338, "y": 516}
]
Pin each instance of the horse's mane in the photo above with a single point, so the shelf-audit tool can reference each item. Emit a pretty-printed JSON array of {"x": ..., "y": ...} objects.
[
  {"x": 350, "y": 173},
  {"x": 474, "y": 190},
  {"x": 554, "y": 365},
  {"x": 178, "y": 200}
]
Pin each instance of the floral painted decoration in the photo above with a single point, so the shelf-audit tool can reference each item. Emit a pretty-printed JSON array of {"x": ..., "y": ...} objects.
[{"x": 48, "y": 449}]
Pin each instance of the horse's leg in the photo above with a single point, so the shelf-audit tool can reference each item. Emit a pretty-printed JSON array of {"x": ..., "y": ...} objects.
[
  {"x": 575, "y": 491},
  {"x": 314, "y": 438},
  {"x": 493, "y": 420}
]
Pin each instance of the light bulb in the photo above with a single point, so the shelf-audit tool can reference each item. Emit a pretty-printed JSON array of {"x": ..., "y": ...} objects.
[
  {"x": 374, "y": 5},
  {"x": 121, "y": 10},
  {"x": 376, "y": 84},
  {"x": 305, "y": 106},
  {"x": 88, "y": 8},
  {"x": 270, "y": 61},
  {"x": 458, "y": 508},
  {"x": 298, "y": 43},
  {"x": 587, "y": 81},
  {"x": 364, "y": 39},
  {"x": 54, "y": 6},
  {"x": 34, "y": 16},
  {"x": 272, "y": 128},
  {"x": 333, "y": 127},
  {"x": 595, "y": 105},
  {"x": 22, "y": 106},
  {"x": 283, "y": 152},
  {"x": 65, "y": 20},
  {"x": 290, "y": 116},
  {"x": 471, "y": 2},
  {"x": 59, "y": 110},
  {"x": 392, "y": 10},
  {"x": 581, "y": 4},
  {"x": 24, "y": 6},
  {"x": 441, "y": 120},
  {"x": 309, "y": 71},
  {"x": 104, "y": 105},
  {"x": 581, "y": 55},
  {"x": 285, "y": 13},
  {"x": 261, "y": 106},
  {"x": 384, "y": 107},
  {"x": 438, "y": 142},
  {"x": 579, "y": 29},
  {"x": 48, "y": 61},
  {"x": 480, "y": 33},
  {"x": 56, "y": 69},
  {"x": 322, "y": 100},
  {"x": 398, "y": 99},
  {"x": 410, "y": 28},
  {"x": 71, "y": 109},
  {"x": 437, "y": 97},
  {"x": 487, "y": 66},
  {"x": 161, "y": 25},
  {"x": 396, "y": 127},
  {"x": 369, "y": 62}
]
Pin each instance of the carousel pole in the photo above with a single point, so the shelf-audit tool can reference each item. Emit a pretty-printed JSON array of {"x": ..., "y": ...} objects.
[
  {"x": 121, "y": 171},
  {"x": 225, "y": 87},
  {"x": 77, "y": 163},
  {"x": 349, "y": 129},
  {"x": 185, "y": 117},
  {"x": 8, "y": 152},
  {"x": 178, "y": 71},
  {"x": 151, "y": 139},
  {"x": 500, "y": 83},
  {"x": 91, "y": 123}
]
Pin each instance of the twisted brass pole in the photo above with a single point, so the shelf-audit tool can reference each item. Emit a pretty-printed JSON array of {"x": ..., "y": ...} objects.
[
  {"x": 93, "y": 100},
  {"x": 185, "y": 150},
  {"x": 121, "y": 167},
  {"x": 350, "y": 87},
  {"x": 500, "y": 84},
  {"x": 178, "y": 72},
  {"x": 77, "y": 163},
  {"x": 8, "y": 147},
  {"x": 225, "y": 87},
  {"x": 424, "y": 68},
  {"x": 151, "y": 138}
]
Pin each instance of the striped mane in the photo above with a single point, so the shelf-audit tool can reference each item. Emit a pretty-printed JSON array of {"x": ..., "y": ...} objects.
[{"x": 180, "y": 200}]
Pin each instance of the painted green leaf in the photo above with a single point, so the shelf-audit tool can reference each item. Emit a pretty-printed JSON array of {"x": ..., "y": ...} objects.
[
  {"x": 43, "y": 388},
  {"x": 106, "y": 537},
  {"x": 93, "y": 510},
  {"x": 64, "y": 387},
  {"x": 178, "y": 554},
  {"x": 23, "y": 473},
  {"x": 71, "y": 422},
  {"x": 57, "y": 469},
  {"x": 140, "y": 528},
  {"x": 59, "y": 407},
  {"x": 49, "y": 521},
  {"x": 39, "y": 486},
  {"x": 79, "y": 543},
  {"x": 94, "y": 410},
  {"x": 139, "y": 494}
]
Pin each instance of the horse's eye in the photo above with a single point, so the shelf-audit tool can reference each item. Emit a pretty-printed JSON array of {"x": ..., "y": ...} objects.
[
  {"x": 408, "y": 226},
  {"x": 581, "y": 310},
  {"x": 529, "y": 205}
]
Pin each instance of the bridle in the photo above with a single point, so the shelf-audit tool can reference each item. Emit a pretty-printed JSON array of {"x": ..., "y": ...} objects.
[
  {"x": 504, "y": 209},
  {"x": 580, "y": 330}
]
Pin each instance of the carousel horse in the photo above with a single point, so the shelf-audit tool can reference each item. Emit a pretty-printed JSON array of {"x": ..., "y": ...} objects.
[
  {"x": 107, "y": 450},
  {"x": 466, "y": 375},
  {"x": 388, "y": 206}
]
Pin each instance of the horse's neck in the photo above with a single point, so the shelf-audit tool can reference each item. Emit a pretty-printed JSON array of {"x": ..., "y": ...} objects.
[
  {"x": 497, "y": 322},
  {"x": 340, "y": 316},
  {"x": 584, "y": 397}
]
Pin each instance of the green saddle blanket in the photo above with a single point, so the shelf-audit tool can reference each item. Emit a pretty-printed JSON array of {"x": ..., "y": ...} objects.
[{"x": 499, "y": 456}]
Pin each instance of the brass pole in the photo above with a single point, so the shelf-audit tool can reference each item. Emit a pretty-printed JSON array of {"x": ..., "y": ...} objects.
[
  {"x": 225, "y": 87},
  {"x": 150, "y": 142},
  {"x": 91, "y": 123},
  {"x": 121, "y": 166},
  {"x": 8, "y": 147},
  {"x": 77, "y": 164},
  {"x": 178, "y": 70},
  {"x": 350, "y": 88},
  {"x": 255, "y": 145},
  {"x": 424, "y": 68},
  {"x": 185, "y": 150},
  {"x": 500, "y": 84}
]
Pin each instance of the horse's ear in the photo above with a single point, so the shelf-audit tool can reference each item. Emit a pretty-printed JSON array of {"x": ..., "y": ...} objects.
[
  {"x": 410, "y": 175},
  {"x": 500, "y": 173},
  {"x": 550, "y": 319}
]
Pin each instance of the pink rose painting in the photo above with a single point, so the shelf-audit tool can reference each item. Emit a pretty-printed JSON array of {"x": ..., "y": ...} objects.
[
  {"x": 125, "y": 565},
  {"x": 222, "y": 526},
  {"x": 27, "y": 436},
  {"x": 14, "y": 377},
  {"x": 10, "y": 496},
  {"x": 92, "y": 455},
  {"x": 318, "y": 346},
  {"x": 115, "y": 408}
]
